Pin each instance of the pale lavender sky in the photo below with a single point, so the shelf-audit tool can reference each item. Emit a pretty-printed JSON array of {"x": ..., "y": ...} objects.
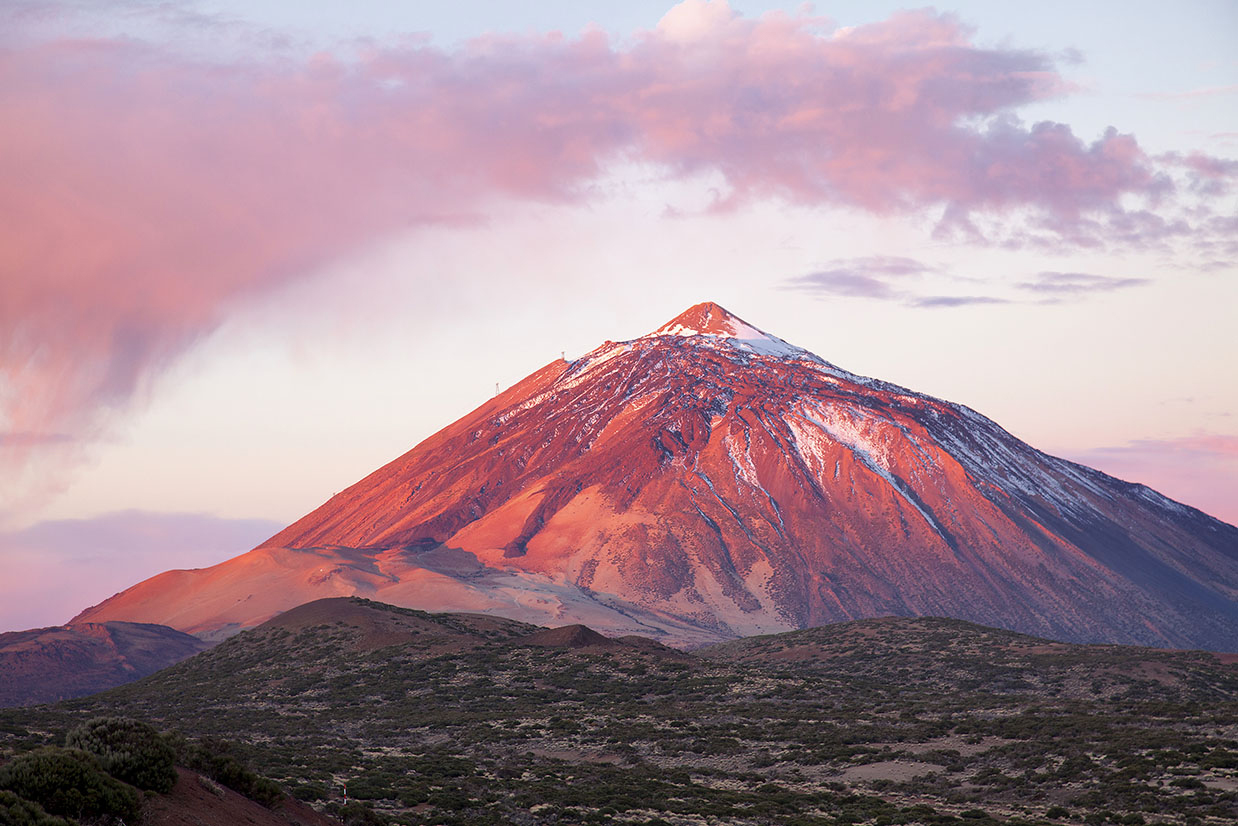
[{"x": 257, "y": 249}]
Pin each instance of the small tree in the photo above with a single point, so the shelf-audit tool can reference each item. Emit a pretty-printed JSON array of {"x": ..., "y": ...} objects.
[{"x": 129, "y": 750}]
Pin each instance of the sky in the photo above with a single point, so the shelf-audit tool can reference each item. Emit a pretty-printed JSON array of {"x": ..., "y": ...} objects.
[{"x": 252, "y": 250}]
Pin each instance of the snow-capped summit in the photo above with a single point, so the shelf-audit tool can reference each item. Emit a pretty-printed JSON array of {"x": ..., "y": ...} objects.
[
  {"x": 716, "y": 322},
  {"x": 709, "y": 319},
  {"x": 710, "y": 480}
]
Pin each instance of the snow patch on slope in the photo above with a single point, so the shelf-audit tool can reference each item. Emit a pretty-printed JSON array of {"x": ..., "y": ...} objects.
[
  {"x": 581, "y": 370},
  {"x": 745, "y": 468},
  {"x": 857, "y": 435},
  {"x": 993, "y": 456},
  {"x": 738, "y": 335}
]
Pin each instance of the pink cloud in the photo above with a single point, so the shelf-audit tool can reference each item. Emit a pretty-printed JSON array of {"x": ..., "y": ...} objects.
[
  {"x": 1200, "y": 470},
  {"x": 147, "y": 191},
  {"x": 1207, "y": 175}
]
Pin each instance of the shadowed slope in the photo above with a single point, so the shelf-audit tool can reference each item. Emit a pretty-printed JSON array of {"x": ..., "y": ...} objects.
[{"x": 44, "y": 665}]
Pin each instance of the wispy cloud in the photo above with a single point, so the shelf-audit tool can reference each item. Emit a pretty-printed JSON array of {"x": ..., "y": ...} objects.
[
  {"x": 931, "y": 301},
  {"x": 899, "y": 280},
  {"x": 148, "y": 191},
  {"x": 844, "y": 283},
  {"x": 868, "y": 277},
  {"x": 882, "y": 278},
  {"x": 1057, "y": 286}
]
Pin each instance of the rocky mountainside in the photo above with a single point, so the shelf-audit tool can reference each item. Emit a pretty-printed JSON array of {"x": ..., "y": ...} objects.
[
  {"x": 708, "y": 481},
  {"x": 43, "y": 665}
]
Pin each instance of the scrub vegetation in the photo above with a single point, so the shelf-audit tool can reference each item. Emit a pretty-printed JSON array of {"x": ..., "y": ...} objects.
[{"x": 878, "y": 722}]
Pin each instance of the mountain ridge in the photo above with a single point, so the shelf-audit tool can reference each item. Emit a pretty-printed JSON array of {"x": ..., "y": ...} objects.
[{"x": 708, "y": 481}]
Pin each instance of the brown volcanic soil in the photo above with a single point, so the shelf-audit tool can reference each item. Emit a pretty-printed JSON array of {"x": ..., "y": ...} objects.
[
  {"x": 568, "y": 636},
  {"x": 585, "y": 639},
  {"x": 698, "y": 488},
  {"x": 371, "y": 627},
  {"x": 44, "y": 665},
  {"x": 199, "y": 801}
]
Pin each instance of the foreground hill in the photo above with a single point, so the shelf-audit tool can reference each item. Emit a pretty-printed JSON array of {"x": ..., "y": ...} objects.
[
  {"x": 43, "y": 665},
  {"x": 444, "y": 719},
  {"x": 708, "y": 481},
  {"x": 952, "y": 654},
  {"x": 198, "y": 801}
]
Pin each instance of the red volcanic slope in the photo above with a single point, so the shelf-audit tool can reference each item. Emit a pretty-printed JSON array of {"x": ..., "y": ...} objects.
[{"x": 709, "y": 480}]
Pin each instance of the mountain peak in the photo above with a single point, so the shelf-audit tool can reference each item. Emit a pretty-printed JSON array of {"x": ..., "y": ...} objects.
[
  {"x": 708, "y": 319},
  {"x": 709, "y": 480},
  {"x": 720, "y": 326}
]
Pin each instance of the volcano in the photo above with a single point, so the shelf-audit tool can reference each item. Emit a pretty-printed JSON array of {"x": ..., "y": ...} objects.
[{"x": 709, "y": 481}]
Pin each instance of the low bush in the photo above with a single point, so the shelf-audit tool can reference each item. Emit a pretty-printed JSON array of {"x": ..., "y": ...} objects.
[
  {"x": 15, "y": 811},
  {"x": 359, "y": 814},
  {"x": 218, "y": 761},
  {"x": 68, "y": 782},
  {"x": 129, "y": 750}
]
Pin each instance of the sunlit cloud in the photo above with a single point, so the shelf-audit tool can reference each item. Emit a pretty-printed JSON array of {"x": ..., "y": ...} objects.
[{"x": 148, "y": 191}]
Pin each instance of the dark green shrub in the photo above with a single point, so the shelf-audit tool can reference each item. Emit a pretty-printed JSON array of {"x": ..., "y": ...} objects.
[
  {"x": 310, "y": 792},
  {"x": 129, "y": 750},
  {"x": 17, "y": 812},
  {"x": 217, "y": 760},
  {"x": 358, "y": 814},
  {"x": 1188, "y": 783},
  {"x": 68, "y": 782}
]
